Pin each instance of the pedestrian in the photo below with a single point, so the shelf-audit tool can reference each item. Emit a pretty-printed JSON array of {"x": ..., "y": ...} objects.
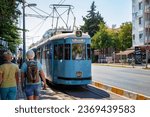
[
  {"x": 9, "y": 78},
  {"x": 14, "y": 59},
  {"x": 19, "y": 62},
  {"x": 19, "y": 58},
  {"x": 31, "y": 71},
  {"x": 0, "y": 81},
  {"x": 133, "y": 62}
]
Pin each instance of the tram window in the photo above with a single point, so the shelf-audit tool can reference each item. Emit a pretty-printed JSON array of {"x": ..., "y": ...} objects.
[
  {"x": 88, "y": 51},
  {"x": 60, "y": 51},
  {"x": 44, "y": 54},
  {"x": 46, "y": 49},
  {"x": 50, "y": 52},
  {"x": 55, "y": 52},
  {"x": 67, "y": 51},
  {"x": 38, "y": 54},
  {"x": 78, "y": 51}
]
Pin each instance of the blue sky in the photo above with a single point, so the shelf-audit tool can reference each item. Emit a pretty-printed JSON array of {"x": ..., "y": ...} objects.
[{"x": 113, "y": 12}]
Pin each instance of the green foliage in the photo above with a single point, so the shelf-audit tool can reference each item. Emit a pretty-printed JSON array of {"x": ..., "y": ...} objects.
[
  {"x": 91, "y": 21},
  {"x": 101, "y": 39},
  {"x": 8, "y": 23},
  {"x": 125, "y": 35},
  {"x": 118, "y": 39},
  {"x": 115, "y": 42},
  {"x": 102, "y": 36}
]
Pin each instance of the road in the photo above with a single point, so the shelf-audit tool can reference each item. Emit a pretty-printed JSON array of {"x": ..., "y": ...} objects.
[{"x": 132, "y": 79}]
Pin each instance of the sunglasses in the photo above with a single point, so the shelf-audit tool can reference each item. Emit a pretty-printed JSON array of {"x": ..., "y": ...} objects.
[{"x": 7, "y": 53}]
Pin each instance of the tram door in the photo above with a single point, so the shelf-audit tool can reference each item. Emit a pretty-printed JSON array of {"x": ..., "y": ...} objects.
[
  {"x": 55, "y": 65},
  {"x": 58, "y": 63},
  {"x": 50, "y": 60},
  {"x": 43, "y": 58}
]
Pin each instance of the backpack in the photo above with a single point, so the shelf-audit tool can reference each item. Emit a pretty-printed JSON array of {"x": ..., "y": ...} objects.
[{"x": 32, "y": 72}]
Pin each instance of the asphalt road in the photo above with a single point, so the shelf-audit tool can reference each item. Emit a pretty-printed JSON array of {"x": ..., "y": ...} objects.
[{"x": 132, "y": 79}]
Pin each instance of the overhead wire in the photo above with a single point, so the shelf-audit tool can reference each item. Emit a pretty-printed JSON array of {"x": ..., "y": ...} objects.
[
  {"x": 35, "y": 11},
  {"x": 41, "y": 10},
  {"x": 49, "y": 15},
  {"x": 36, "y": 26},
  {"x": 61, "y": 2},
  {"x": 55, "y": 6},
  {"x": 42, "y": 22}
]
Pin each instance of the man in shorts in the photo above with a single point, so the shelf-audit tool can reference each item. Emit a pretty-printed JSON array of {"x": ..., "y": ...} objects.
[{"x": 32, "y": 89}]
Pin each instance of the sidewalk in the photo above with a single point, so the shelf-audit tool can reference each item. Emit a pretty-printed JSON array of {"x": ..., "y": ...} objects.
[
  {"x": 138, "y": 66},
  {"x": 47, "y": 94},
  {"x": 44, "y": 94}
]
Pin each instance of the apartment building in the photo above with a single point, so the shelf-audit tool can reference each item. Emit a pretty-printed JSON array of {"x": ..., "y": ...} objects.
[{"x": 141, "y": 22}]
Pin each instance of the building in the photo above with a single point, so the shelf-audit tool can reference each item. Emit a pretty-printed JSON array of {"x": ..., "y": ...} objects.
[
  {"x": 141, "y": 30},
  {"x": 141, "y": 22},
  {"x": 3, "y": 43}
]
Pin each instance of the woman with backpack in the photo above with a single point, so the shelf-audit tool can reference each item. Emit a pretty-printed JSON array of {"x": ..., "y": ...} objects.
[{"x": 31, "y": 71}]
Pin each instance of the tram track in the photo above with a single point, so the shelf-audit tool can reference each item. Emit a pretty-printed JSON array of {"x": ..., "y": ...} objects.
[
  {"x": 87, "y": 92},
  {"x": 80, "y": 92},
  {"x": 57, "y": 90}
]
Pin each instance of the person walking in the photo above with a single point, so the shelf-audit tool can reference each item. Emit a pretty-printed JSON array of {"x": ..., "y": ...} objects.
[
  {"x": 9, "y": 78},
  {"x": 133, "y": 62},
  {"x": 31, "y": 71}
]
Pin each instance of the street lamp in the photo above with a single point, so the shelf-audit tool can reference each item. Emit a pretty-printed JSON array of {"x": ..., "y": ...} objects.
[{"x": 24, "y": 36}]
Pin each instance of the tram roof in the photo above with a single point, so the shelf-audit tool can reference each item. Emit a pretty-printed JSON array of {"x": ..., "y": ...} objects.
[
  {"x": 61, "y": 36},
  {"x": 68, "y": 35}
]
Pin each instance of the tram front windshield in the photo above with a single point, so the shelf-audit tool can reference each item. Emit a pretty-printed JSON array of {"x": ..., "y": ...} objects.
[{"x": 78, "y": 51}]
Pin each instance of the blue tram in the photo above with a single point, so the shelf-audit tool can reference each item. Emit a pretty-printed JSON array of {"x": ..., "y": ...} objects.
[{"x": 66, "y": 58}]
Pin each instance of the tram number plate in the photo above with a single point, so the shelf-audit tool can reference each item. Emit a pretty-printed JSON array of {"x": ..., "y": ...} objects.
[{"x": 79, "y": 74}]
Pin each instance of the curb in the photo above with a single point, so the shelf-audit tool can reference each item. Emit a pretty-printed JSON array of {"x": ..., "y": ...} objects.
[
  {"x": 114, "y": 65},
  {"x": 122, "y": 92},
  {"x": 122, "y": 66}
]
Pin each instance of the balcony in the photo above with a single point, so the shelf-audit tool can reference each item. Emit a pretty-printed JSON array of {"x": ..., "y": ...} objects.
[
  {"x": 147, "y": 40},
  {"x": 147, "y": 8},
  {"x": 140, "y": 13},
  {"x": 147, "y": 24}
]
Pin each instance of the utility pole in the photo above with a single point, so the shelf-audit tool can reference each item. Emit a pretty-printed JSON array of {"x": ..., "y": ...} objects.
[
  {"x": 24, "y": 29},
  {"x": 148, "y": 32},
  {"x": 147, "y": 50},
  {"x": 24, "y": 36},
  {"x": 114, "y": 56}
]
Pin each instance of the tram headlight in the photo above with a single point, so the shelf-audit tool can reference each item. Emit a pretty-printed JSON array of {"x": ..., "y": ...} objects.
[{"x": 79, "y": 74}]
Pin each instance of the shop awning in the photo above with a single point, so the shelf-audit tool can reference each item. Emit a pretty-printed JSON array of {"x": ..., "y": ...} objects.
[{"x": 127, "y": 52}]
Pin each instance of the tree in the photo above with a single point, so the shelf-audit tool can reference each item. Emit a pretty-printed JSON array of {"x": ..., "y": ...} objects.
[
  {"x": 91, "y": 21},
  {"x": 8, "y": 23},
  {"x": 102, "y": 40},
  {"x": 115, "y": 42},
  {"x": 125, "y": 35}
]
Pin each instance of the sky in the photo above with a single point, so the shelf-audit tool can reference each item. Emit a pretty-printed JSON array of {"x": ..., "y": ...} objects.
[{"x": 114, "y": 12}]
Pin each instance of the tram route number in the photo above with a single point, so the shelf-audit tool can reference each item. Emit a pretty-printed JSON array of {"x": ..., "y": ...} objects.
[{"x": 106, "y": 109}]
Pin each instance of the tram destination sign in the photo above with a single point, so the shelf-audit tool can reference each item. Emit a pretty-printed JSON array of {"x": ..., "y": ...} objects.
[{"x": 78, "y": 40}]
